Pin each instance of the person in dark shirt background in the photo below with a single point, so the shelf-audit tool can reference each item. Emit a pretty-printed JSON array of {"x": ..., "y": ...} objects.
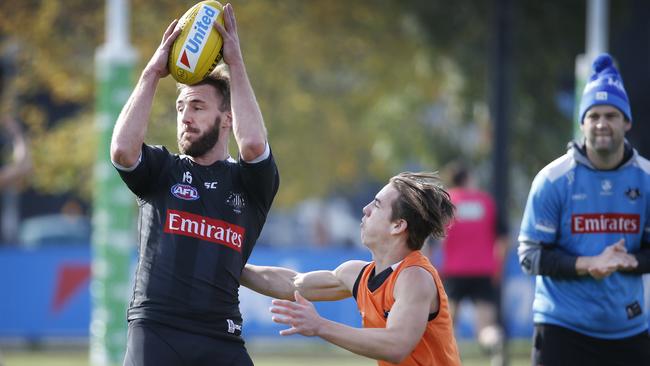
[
  {"x": 14, "y": 167},
  {"x": 20, "y": 162}
]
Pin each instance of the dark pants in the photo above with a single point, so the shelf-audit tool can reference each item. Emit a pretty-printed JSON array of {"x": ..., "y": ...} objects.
[
  {"x": 154, "y": 344},
  {"x": 559, "y": 346},
  {"x": 472, "y": 287}
]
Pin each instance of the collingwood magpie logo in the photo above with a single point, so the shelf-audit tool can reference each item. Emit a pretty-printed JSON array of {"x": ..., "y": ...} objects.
[
  {"x": 236, "y": 201},
  {"x": 633, "y": 193}
]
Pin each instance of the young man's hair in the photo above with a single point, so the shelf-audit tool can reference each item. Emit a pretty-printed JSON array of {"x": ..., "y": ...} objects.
[
  {"x": 423, "y": 204},
  {"x": 219, "y": 79}
]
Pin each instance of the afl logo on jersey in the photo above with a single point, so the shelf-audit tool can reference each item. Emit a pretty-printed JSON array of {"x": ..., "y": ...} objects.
[{"x": 185, "y": 192}]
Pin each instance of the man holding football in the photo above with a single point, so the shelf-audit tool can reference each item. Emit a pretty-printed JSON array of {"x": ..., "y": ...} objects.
[{"x": 201, "y": 212}]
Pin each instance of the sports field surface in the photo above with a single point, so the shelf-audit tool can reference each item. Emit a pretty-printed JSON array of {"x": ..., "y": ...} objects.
[{"x": 265, "y": 355}]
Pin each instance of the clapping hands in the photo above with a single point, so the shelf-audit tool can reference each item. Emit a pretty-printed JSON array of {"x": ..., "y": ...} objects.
[{"x": 614, "y": 258}]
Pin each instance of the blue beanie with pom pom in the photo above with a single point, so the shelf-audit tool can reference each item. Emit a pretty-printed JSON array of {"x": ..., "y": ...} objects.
[{"x": 605, "y": 87}]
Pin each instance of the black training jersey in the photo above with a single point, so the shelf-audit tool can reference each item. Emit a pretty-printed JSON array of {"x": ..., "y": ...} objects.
[{"x": 198, "y": 225}]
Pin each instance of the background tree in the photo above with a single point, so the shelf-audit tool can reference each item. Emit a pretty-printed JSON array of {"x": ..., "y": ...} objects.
[{"x": 351, "y": 91}]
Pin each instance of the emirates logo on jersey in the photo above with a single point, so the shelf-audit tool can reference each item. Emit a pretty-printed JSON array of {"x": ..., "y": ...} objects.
[
  {"x": 605, "y": 223},
  {"x": 204, "y": 228}
]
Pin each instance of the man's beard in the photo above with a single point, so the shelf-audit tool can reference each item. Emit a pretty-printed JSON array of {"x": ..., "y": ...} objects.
[
  {"x": 611, "y": 144},
  {"x": 205, "y": 142}
]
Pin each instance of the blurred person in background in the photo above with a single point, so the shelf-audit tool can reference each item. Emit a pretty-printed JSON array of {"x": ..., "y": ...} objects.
[
  {"x": 399, "y": 294},
  {"x": 472, "y": 258},
  {"x": 201, "y": 212},
  {"x": 20, "y": 162},
  {"x": 585, "y": 235},
  {"x": 16, "y": 166}
]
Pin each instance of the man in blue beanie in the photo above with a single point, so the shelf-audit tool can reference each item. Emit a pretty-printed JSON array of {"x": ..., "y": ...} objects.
[{"x": 585, "y": 235}]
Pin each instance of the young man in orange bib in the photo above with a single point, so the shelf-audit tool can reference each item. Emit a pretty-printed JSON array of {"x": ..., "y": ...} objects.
[{"x": 403, "y": 304}]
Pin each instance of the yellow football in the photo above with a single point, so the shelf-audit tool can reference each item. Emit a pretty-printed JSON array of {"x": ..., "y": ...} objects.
[{"x": 197, "y": 50}]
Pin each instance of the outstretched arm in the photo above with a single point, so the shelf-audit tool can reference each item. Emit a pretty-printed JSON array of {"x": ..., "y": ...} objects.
[
  {"x": 415, "y": 297},
  {"x": 131, "y": 126},
  {"x": 277, "y": 282},
  {"x": 248, "y": 125},
  {"x": 281, "y": 283}
]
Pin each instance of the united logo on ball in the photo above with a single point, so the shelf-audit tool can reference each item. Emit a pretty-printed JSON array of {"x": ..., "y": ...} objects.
[{"x": 197, "y": 50}]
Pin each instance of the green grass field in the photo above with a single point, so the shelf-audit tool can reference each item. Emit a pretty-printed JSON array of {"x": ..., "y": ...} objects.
[{"x": 266, "y": 355}]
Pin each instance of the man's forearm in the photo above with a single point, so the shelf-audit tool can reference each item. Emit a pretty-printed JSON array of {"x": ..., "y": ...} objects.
[
  {"x": 248, "y": 123},
  {"x": 556, "y": 263},
  {"x": 276, "y": 282},
  {"x": 536, "y": 259},
  {"x": 375, "y": 343}
]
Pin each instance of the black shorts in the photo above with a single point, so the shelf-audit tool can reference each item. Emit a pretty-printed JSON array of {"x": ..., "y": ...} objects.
[
  {"x": 154, "y": 344},
  {"x": 559, "y": 346},
  {"x": 474, "y": 288}
]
